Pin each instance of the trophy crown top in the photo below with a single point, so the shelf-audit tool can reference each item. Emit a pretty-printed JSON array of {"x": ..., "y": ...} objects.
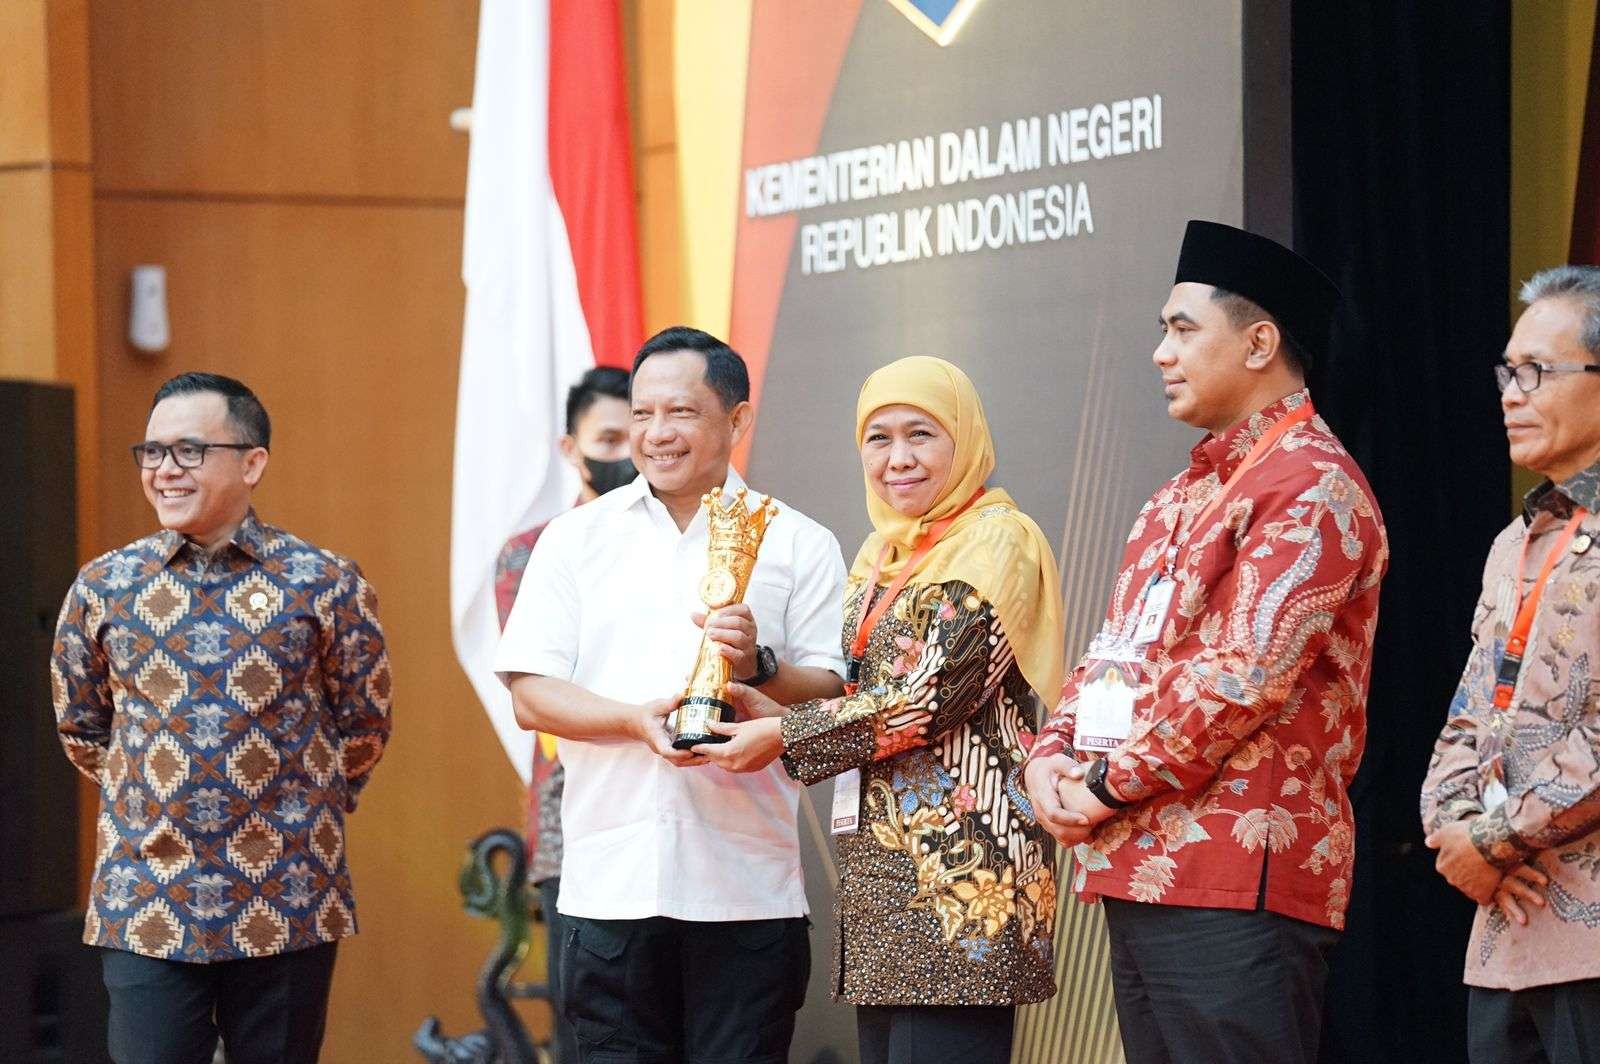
[{"x": 734, "y": 525}]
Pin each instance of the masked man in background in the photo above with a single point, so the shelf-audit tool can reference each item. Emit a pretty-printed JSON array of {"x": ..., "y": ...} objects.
[{"x": 596, "y": 445}]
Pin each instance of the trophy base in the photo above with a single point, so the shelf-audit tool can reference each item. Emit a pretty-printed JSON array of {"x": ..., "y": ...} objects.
[{"x": 693, "y": 714}]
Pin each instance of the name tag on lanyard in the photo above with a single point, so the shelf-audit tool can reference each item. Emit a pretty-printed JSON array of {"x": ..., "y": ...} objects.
[
  {"x": 1510, "y": 667},
  {"x": 1106, "y": 697},
  {"x": 1104, "y": 715},
  {"x": 1153, "y": 613},
  {"x": 1111, "y": 682},
  {"x": 846, "y": 816},
  {"x": 1494, "y": 792}
]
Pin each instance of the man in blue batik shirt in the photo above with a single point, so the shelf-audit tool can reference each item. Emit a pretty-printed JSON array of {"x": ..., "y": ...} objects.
[{"x": 225, "y": 683}]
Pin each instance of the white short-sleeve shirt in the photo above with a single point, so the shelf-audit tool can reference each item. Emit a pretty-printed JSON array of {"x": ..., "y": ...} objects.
[{"x": 605, "y": 603}]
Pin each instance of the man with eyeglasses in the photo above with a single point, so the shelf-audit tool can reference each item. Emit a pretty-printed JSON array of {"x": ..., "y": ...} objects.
[
  {"x": 225, "y": 683},
  {"x": 1512, "y": 797}
]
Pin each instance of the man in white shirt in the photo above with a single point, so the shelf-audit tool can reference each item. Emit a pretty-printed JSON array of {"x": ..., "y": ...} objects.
[{"x": 682, "y": 881}]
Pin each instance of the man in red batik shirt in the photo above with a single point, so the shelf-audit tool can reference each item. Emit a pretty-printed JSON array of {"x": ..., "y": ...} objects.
[
  {"x": 596, "y": 444},
  {"x": 1210, "y": 733}
]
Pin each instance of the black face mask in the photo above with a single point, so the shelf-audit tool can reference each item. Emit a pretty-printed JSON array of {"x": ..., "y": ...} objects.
[{"x": 608, "y": 476}]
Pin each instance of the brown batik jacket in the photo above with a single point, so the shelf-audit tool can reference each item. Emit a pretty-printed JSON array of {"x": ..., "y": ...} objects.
[{"x": 947, "y": 892}]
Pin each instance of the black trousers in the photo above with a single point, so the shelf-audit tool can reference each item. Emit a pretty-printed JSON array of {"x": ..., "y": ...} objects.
[
  {"x": 1216, "y": 986},
  {"x": 268, "y": 1010},
  {"x": 918, "y": 1034},
  {"x": 660, "y": 991},
  {"x": 1557, "y": 1024},
  {"x": 556, "y": 927}
]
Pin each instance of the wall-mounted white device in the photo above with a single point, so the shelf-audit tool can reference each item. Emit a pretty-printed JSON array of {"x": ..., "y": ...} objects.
[{"x": 148, "y": 329}]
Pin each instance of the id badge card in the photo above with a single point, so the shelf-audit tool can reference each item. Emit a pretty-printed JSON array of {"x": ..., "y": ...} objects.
[
  {"x": 1153, "y": 613},
  {"x": 846, "y": 816},
  {"x": 1105, "y": 703}
]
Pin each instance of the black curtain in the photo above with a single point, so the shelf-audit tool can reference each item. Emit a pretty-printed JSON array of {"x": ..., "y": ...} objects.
[{"x": 1401, "y": 131}]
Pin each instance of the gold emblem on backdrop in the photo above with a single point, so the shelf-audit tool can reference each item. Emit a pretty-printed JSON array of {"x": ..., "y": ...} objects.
[{"x": 939, "y": 19}]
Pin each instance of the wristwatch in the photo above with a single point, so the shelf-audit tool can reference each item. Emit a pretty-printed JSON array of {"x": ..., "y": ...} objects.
[
  {"x": 1096, "y": 782},
  {"x": 766, "y": 667}
]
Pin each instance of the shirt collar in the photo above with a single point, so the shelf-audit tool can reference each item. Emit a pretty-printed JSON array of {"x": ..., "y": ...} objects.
[
  {"x": 637, "y": 491},
  {"x": 1580, "y": 489},
  {"x": 631, "y": 493},
  {"x": 250, "y": 538},
  {"x": 1222, "y": 454}
]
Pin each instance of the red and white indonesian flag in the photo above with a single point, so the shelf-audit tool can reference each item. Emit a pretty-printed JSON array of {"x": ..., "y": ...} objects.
[{"x": 551, "y": 269}]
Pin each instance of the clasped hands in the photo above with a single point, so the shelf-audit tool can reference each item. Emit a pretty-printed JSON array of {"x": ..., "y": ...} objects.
[
  {"x": 733, "y": 629},
  {"x": 1061, "y": 802},
  {"x": 1464, "y": 868},
  {"x": 754, "y": 738}
]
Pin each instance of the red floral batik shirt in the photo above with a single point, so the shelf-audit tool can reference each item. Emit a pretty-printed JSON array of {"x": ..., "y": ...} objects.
[{"x": 1249, "y": 706}]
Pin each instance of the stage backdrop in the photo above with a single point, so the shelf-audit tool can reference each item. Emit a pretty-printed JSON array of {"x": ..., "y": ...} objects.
[{"x": 1013, "y": 201}]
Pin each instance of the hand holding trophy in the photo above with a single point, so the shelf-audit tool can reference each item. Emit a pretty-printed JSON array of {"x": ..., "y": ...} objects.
[{"x": 734, "y": 536}]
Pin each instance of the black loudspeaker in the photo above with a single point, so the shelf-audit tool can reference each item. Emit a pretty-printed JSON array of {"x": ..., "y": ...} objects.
[
  {"x": 52, "y": 1000},
  {"x": 38, "y": 552}
]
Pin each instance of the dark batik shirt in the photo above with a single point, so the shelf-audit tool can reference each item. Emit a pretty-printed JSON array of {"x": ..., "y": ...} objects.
[
  {"x": 947, "y": 893},
  {"x": 230, "y": 707}
]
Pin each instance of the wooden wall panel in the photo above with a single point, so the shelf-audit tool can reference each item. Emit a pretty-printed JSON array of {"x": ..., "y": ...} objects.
[
  {"x": 76, "y": 361},
  {"x": 291, "y": 165},
  {"x": 27, "y": 324},
  {"x": 46, "y": 301},
  {"x": 24, "y": 83},
  {"x": 291, "y": 97},
  {"x": 346, "y": 320},
  {"x": 44, "y": 83},
  {"x": 46, "y": 236},
  {"x": 67, "y": 52}
]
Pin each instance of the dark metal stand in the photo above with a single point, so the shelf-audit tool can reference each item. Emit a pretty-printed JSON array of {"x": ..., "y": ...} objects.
[{"x": 506, "y": 898}]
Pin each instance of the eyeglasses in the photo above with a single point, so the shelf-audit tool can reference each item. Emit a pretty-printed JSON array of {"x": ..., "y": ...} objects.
[
  {"x": 189, "y": 454},
  {"x": 1528, "y": 374}
]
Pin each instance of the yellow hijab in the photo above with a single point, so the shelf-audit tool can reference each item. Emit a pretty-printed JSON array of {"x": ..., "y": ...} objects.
[{"x": 992, "y": 546}]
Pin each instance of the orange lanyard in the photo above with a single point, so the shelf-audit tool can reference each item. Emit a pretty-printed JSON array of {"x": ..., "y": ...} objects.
[
  {"x": 868, "y": 619},
  {"x": 1505, "y": 681},
  {"x": 1300, "y": 414}
]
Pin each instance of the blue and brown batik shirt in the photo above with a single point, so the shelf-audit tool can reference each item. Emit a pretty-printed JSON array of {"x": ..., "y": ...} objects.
[{"x": 230, "y": 706}]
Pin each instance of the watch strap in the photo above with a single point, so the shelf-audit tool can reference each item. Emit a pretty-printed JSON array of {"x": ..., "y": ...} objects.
[
  {"x": 1095, "y": 781},
  {"x": 766, "y": 667}
]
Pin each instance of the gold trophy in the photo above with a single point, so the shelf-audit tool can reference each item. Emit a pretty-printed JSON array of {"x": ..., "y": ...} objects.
[{"x": 735, "y": 533}]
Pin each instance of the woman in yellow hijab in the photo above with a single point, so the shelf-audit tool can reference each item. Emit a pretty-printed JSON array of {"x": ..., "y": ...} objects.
[{"x": 952, "y": 622}]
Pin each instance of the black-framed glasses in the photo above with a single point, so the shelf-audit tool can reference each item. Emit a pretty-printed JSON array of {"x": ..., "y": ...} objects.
[
  {"x": 189, "y": 454},
  {"x": 1528, "y": 374}
]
